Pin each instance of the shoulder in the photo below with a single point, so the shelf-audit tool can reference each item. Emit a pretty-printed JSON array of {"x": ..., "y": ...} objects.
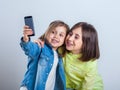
[{"x": 91, "y": 66}]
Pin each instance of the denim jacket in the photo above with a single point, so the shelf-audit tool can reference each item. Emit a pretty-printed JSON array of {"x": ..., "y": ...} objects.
[{"x": 42, "y": 58}]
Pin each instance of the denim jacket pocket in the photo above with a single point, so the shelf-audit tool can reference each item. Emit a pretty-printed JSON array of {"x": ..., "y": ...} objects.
[{"x": 43, "y": 60}]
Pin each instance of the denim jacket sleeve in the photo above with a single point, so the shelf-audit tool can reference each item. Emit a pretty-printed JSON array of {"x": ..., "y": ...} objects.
[{"x": 31, "y": 49}]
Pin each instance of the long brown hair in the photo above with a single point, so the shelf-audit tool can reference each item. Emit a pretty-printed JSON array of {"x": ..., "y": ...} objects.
[{"x": 90, "y": 47}]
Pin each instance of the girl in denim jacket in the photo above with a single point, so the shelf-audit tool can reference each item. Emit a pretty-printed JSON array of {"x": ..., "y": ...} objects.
[{"x": 45, "y": 68}]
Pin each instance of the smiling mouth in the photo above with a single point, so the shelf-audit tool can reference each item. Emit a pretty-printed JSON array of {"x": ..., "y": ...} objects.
[
  {"x": 55, "y": 41},
  {"x": 69, "y": 44}
]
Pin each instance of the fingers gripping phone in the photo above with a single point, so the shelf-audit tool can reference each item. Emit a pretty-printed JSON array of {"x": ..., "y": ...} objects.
[{"x": 29, "y": 22}]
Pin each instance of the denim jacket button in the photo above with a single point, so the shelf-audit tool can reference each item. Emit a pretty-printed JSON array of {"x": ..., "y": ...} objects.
[{"x": 47, "y": 58}]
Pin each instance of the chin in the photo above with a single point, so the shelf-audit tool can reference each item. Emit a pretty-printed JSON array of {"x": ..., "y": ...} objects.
[{"x": 68, "y": 48}]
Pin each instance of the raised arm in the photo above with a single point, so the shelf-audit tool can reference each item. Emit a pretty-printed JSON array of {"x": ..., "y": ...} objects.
[{"x": 30, "y": 48}]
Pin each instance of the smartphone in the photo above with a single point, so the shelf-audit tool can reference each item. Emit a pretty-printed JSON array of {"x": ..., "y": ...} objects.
[{"x": 29, "y": 22}]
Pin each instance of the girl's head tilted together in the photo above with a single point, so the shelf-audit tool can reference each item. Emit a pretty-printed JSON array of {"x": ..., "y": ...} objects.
[
  {"x": 56, "y": 33},
  {"x": 83, "y": 39}
]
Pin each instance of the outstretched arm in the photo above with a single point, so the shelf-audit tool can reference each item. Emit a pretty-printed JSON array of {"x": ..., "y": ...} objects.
[
  {"x": 30, "y": 48},
  {"x": 26, "y": 32}
]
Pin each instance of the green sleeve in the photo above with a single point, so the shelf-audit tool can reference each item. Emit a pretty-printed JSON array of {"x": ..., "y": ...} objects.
[{"x": 92, "y": 80}]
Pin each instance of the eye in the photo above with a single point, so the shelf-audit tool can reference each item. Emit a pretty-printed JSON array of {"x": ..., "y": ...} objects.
[
  {"x": 77, "y": 36},
  {"x": 70, "y": 33},
  {"x": 61, "y": 35},
  {"x": 52, "y": 32}
]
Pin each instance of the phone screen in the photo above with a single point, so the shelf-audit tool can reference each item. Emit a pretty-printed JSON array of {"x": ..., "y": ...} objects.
[{"x": 29, "y": 22}]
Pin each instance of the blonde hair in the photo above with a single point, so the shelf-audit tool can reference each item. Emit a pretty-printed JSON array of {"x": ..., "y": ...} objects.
[{"x": 52, "y": 26}]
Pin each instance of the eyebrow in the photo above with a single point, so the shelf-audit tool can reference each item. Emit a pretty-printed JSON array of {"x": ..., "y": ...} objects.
[
  {"x": 62, "y": 33},
  {"x": 77, "y": 35}
]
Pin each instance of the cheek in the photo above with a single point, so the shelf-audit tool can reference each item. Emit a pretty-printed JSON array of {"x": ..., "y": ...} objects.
[
  {"x": 62, "y": 40},
  {"x": 79, "y": 44},
  {"x": 49, "y": 36},
  {"x": 66, "y": 38}
]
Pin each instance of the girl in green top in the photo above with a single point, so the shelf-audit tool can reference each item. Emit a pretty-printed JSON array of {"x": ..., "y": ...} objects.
[{"x": 80, "y": 58}]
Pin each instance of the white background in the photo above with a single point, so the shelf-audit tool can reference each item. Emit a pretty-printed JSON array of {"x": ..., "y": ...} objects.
[{"x": 103, "y": 14}]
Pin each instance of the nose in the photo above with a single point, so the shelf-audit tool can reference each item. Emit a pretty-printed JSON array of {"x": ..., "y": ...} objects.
[
  {"x": 56, "y": 35},
  {"x": 71, "y": 38}
]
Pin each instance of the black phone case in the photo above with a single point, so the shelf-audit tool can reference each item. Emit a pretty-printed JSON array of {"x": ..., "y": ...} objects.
[{"x": 29, "y": 22}]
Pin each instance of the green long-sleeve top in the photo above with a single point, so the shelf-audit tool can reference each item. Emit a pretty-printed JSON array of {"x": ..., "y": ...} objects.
[{"x": 81, "y": 75}]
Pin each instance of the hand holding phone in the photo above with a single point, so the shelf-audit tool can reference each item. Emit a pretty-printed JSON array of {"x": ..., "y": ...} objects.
[{"x": 29, "y": 22}]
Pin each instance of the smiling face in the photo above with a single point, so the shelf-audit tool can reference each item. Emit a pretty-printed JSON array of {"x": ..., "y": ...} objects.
[
  {"x": 56, "y": 37},
  {"x": 74, "y": 40}
]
